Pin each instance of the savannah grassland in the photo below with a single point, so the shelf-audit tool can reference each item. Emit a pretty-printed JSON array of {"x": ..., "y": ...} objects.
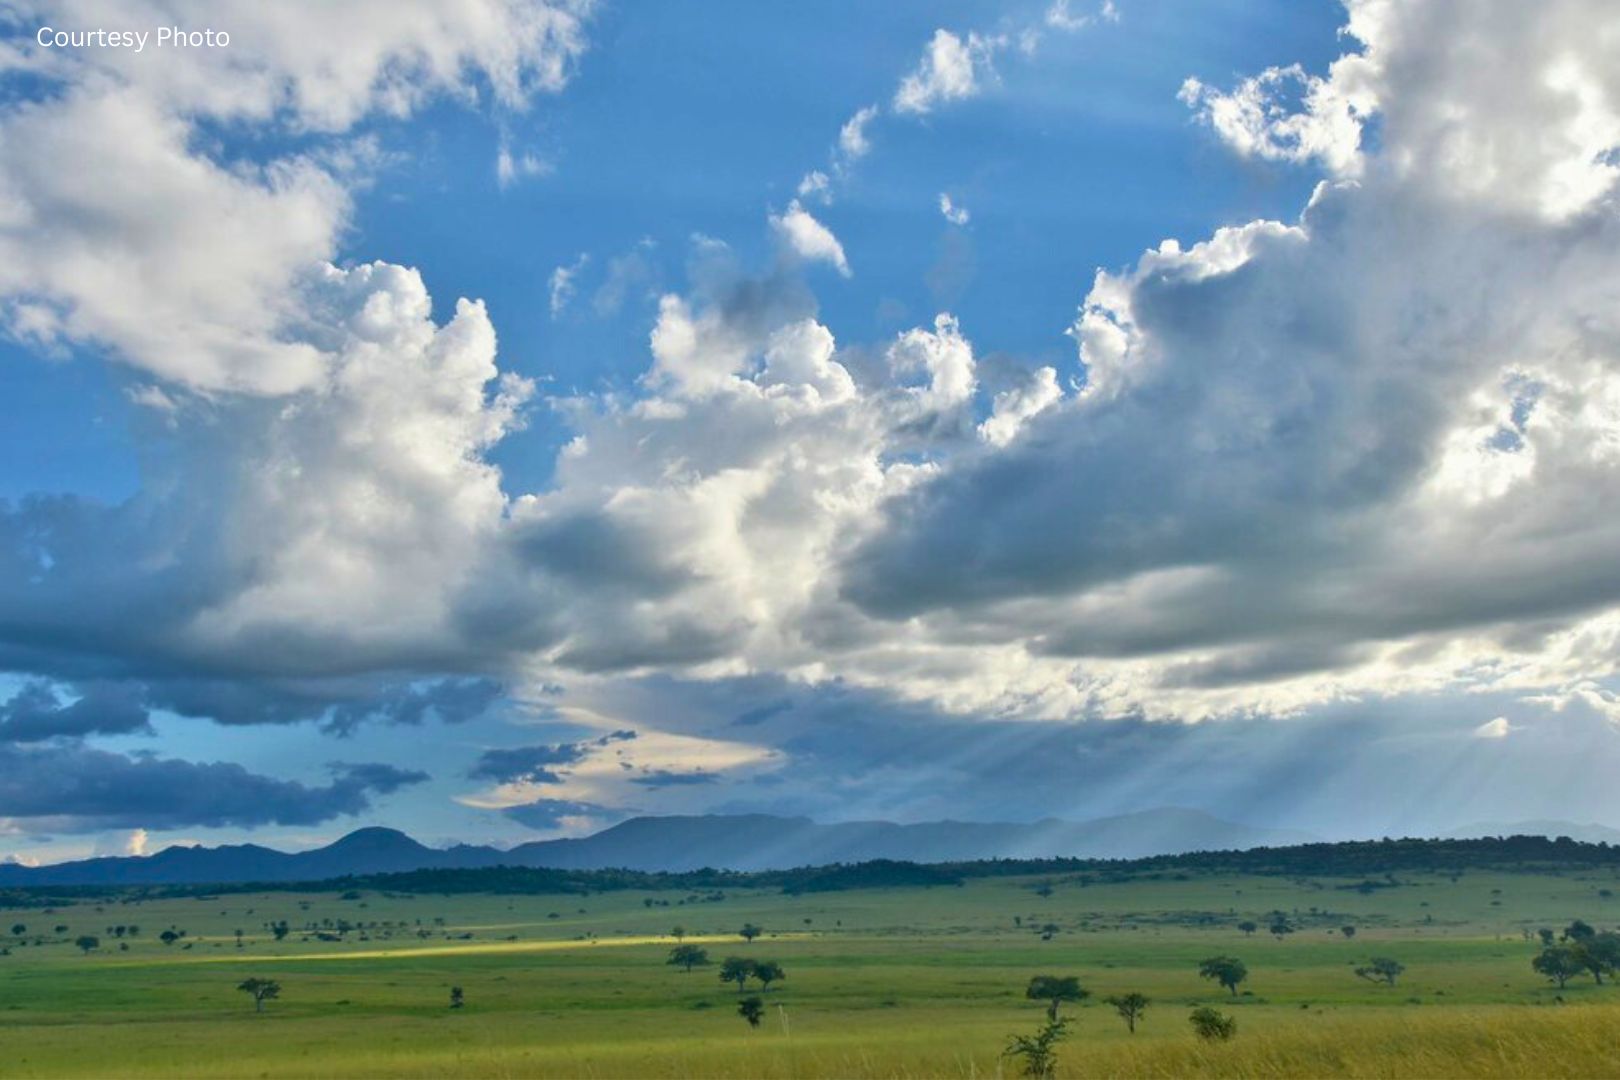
[{"x": 886, "y": 982}]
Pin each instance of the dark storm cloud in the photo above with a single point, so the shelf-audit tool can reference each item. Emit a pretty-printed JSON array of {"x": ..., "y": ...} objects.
[
  {"x": 530, "y": 764},
  {"x": 535, "y": 764},
  {"x": 36, "y": 713},
  {"x": 450, "y": 701},
  {"x": 666, "y": 778},
  {"x": 77, "y": 789},
  {"x": 339, "y": 706}
]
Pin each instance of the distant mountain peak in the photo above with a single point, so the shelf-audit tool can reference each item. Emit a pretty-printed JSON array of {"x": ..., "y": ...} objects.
[
  {"x": 689, "y": 842},
  {"x": 376, "y": 836}
]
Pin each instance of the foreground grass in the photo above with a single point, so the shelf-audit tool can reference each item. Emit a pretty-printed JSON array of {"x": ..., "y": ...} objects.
[{"x": 882, "y": 983}]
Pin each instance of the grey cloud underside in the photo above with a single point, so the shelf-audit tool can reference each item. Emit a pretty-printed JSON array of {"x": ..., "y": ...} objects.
[
  {"x": 74, "y": 788},
  {"x": 1269, "y": 461},
  {"x": 36, "y": 714}
]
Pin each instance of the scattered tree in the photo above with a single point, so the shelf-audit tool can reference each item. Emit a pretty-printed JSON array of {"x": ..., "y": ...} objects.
[
  {"x": 1545, "y": 935},
  {"x": 1054, "y": 990},
  {"x": 1130, "y": 1007},
  {"x": 1039, "y": 1051},
  {"x": 751, "y": 1009},
  {"x": 679, "y": 933},
  {"x": 87, "y": 942},
  {"x": 1280, "y": 928},
  {"x": 1600, "y": 953},
  {"x": 767, "y": 972},
  {"x": 18, "y": 929},
  {"x": 261, "y": 991},
  {"x": 280, "y": 929},
  {"x": 168, "y": 937},
  {"x": 736, "y": 969},
  {"x": 749, "y": 932},
  {"x": 1381, "y": 969},
  {"x": 1559, "y": 963},
  {"x": 1212, "y": 1024},
  {"x": 688, "y": 956},
  {"x": 1248, "y": 926},
  {"x": 1226, "y": 970},
  {"x": 1348, "y": 931},
  {"x": 457, "y": 998}
]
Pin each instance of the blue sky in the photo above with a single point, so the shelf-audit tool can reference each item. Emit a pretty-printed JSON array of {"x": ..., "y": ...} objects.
[{"x": 1247, "y": 397}]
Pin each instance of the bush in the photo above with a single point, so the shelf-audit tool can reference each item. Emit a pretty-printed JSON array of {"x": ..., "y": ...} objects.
[{"x": 1212, "y": 1024}]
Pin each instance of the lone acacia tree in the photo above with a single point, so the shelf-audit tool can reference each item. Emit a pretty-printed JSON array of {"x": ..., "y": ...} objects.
[
  {"x": 1248, "y": 926},
  {"x": 87, "y": 943},
  {"x": 737, "y": 969},
  {"x": 1348, "y": 931},
  {"x": 1131, "y": 1007},
  {"x": 260, "y": 990},
  {"x": 1226, "y": 970},
  {"x": 688, "y": 957},
  {"x": 751, "y": 1009},
  {"x": 749, "y": 931},
  {"x": 1054, "y": 990},
  {"x": 1381, "y": 969}
]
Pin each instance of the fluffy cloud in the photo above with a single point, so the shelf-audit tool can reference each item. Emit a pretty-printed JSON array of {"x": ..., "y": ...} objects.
[
  {"x": 118, "y": 265},
  {"x": 1059, "y": 16},
  {"x": 275, "y": 534},
  {"x": 853, "y": 141},
  {"x": 1014, "y": 407},
  {"x": 1295, "y": 491},
  {"x": 951, "y": 212},
  {"x": 1253, "y": 120},
  {"x": 76, "y": 789},
  {"x": 808, "y": 238},
  {"x": 951, "y": 69}
]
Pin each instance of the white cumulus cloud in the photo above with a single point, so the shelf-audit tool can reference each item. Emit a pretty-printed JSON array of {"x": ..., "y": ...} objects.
[{"x": 808, "y": 238}]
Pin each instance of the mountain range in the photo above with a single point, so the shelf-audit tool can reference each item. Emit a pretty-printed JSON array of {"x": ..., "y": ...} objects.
[{"x": 732, "y": 842}]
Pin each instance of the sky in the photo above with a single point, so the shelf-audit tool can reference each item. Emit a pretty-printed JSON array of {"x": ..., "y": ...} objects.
[{"x": 495, "y": 419}]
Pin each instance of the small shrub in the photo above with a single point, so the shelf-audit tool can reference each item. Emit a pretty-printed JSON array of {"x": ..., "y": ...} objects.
[{"x": 1212, "y": 1024}]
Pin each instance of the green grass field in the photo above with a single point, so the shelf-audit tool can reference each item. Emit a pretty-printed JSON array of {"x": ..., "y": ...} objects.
[{"x": 897, "y": 982}]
